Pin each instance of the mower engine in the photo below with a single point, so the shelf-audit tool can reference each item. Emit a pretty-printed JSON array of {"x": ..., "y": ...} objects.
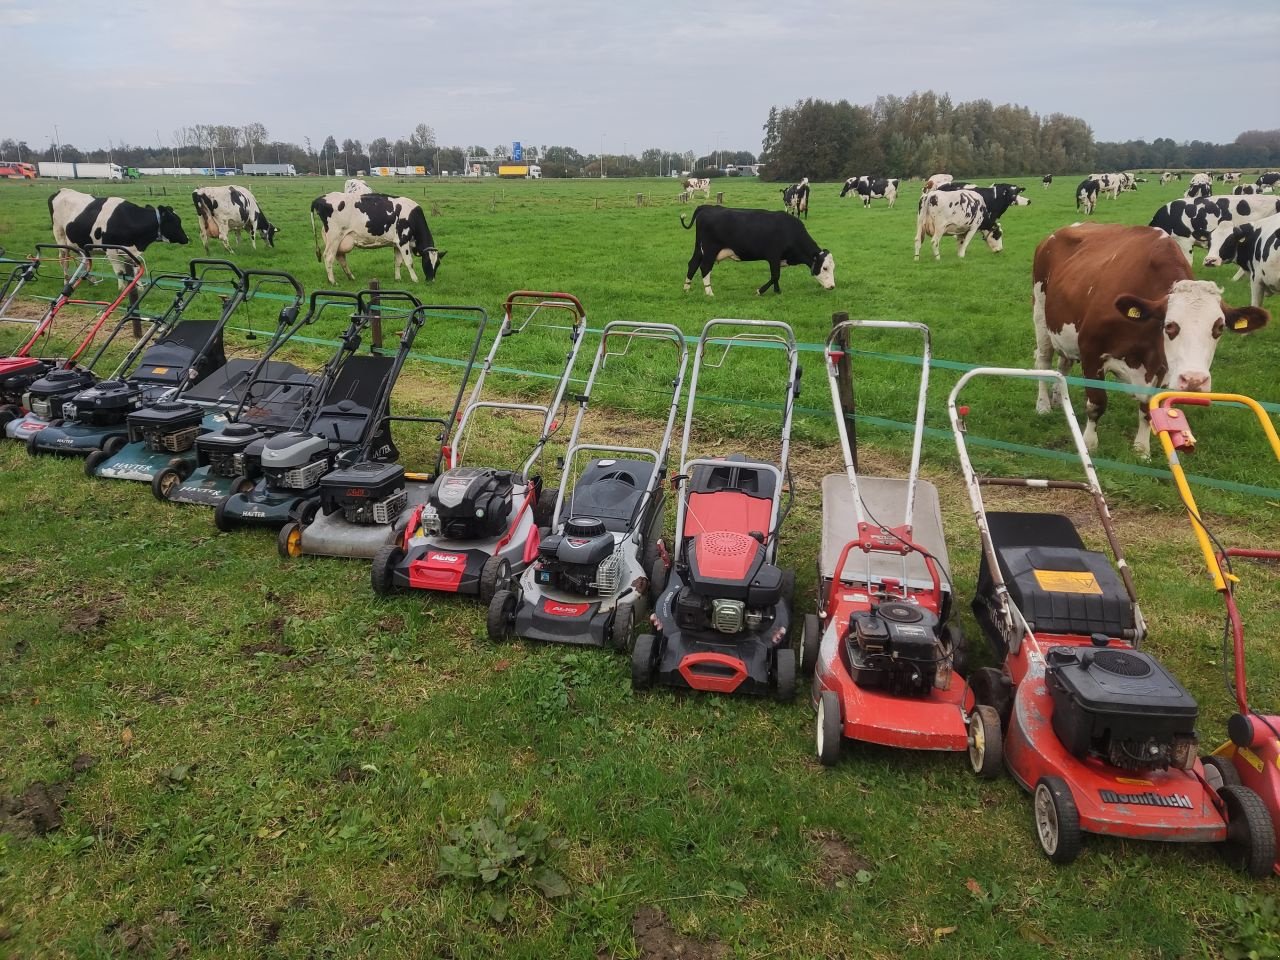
[
  {"x": 583, "y": 560},
  {"x": 46, "y": 396},
  {"x": 367, "y": 493},
  {"x": 231, "y": 452},
  {"x": 1121, "y": 705},
  {"x": 469, "y": 503},
  {"x": 18, "y": 377},
  {"x": 295, "y": 461},
  {"x": 729, "y": 587},
  {"x": 895, "y": 647},
  {"x": 166, "y": 427},
  {"x": 106, "y": 404}
]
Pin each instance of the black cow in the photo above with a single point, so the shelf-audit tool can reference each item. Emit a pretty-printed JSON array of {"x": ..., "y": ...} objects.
[
  {"x": 1268, "y": 180},
  {"x": 796, "y": 198},
  {"x": 745, "y": 235},
  {"x": 1047, "y": 179}
]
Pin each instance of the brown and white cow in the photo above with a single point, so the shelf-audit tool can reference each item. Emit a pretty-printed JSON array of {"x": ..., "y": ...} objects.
[
  {"x": 1121, "y": 300},
  {"x": 701, "y": 185}
]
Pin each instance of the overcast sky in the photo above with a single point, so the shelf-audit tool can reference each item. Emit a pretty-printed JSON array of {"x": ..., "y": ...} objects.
[{"x": 689, "y": 75}]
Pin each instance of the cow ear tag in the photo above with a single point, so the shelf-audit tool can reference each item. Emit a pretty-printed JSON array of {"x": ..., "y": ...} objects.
[
  {"x": 1241, "y": 323},
  {"x": 1135, "y": 313}
]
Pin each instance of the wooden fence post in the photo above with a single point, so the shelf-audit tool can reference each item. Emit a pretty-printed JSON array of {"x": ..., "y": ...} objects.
[
  {"x": 375, "y": 307},
  {"x": 719, "y": 199},
  {"x": 639, "y": 199},
  {"x": 844, "y": 378}
]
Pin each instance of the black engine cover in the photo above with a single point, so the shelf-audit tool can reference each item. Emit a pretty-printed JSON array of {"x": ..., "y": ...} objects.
[
  {"x": 366, "y": 482},
  {"x": 473, "y": 502},
  {"x": 894, "y": 647},
  {"x": 108, "y": 403},
  {"x": 46, "y": 395}
]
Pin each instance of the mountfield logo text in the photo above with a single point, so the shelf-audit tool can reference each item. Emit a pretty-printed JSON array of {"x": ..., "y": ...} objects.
[{"x": 1147, "y": 799}]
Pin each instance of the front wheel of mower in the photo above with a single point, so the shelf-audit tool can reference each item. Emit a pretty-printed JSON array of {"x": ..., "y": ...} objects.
[
  {"x": 657, "y": 579},
  {"x": 32, "y": 447},
  {"x": 788, "y": 589},
  {"x": 986, "y": 742},
  {"x": 784, "y": 674},
  {"x": 622, "y": 633},
  {"x": 165, "y": 484},
  {"x": 992, "y": 687},
  {"x": 289, "y": 541},
  {"x": 382, "y": 573},
  {"x": 220, "y": 515},
  {"x": 1250, "y": 846},
  {"x": 493, "y": 577},
  {"x": 1057, "y": 820},
  {"x": 306, "y": 512},
  {"x": 502, "y": 616},
  {"x": 93, "y": 461},
  {"x": 810, "y": 643},
  {"x": 829, "y": 729},
  {"x": 545, "y": 506},
  {"x": 241, "y": 484},
  {"x": 114, "y": 445},
  {"x": 642, "y": 662},
  {"x": 1220, "y": 772}
]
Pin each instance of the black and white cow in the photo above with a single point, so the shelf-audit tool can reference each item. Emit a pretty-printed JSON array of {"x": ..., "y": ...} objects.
[
  {"x": 1246, "y": 190},
  {"x": 852, "y": 184},
  {"x": 1166, "y": 177},
  {"x": 1229, "y": 177},
  {"x": 1128, "y": 182},
  {"x": 1087, "y": 195},
  {"x": 869, "y": 188},
  {"x": 1232, "y": 212},
  {"x": 725, "y": 233},
  {"x": 1108, "y": 183},
  {"x": 1189, "y": 222},
  {"x": 222, "y": 210},
  {"x": 79, "y": 220},
  {"x": 1201, "y": 185},
  {"x": 1047, "y": 180},
  {"x": 958, "y": 213},
  {"x": 369, "y": 220},
  {"x": 936, "y": 181},
  {"x": 796, "y": 198},
  {"x": 1268, "y": 181},
  {"x": 1255, "y": 249},
  {"x": 356, "y": 185}
]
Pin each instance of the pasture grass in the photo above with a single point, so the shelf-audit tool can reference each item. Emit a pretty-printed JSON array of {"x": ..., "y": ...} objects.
[{"x": 260, "y": 758}]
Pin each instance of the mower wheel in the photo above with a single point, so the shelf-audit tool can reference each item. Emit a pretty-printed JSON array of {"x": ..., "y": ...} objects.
[
  {"x": 165, "y": 483},
  {"x": 384, "y": 563},
  {"x": 10, "y": 411},
  {"x": 986, "y": 742},
  {"x": 991, "y": 687},
  {"x": 788, "y": 589},
  {"x": 241, "y": 484},
  {"x": 955, "y": 640},
  {"x": 623, "y": 633},
  {"x": 545, "y": 506},
  {"x": 829, "y": 728},
  {"x": 657, "y": 579},
  {"x": 93, "y": 461},
  {"x": 32, "y": 446},
  {"x": 493, "y": 577},
  {"x": 502, "y": 615},
  {"x": 289, "y": 541},
  {"x": 306, "y": 512},
  {"x": 1057, "y": 820},
  {"x": 784, "y": 674},
  {"x": 642, "y": 661},
  {"x": 114, "y": 445},
  {"x": 220, "y": 515},
  {"x": 810, "y": 644},
  {"x": 1220, "y": 772},
  {"x": 1250, "y": 846}
]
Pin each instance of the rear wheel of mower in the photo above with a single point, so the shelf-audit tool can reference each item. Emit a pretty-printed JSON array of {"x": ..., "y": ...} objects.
[
  {"x": 241, "y": 484},
  {"x": 1220, "y": 772},
  {"x": 289, "y": 541},
  {"x": 642, "y": 662},
  {"x": 657, "y": 579},
  {"x": 94, "y": 460},
  {"x": 166, "y": 483},
  {"x": 1250, "y": 846},
  {"x": 32, "y": 448},
  {"x": 1057, "y": 820},
  {"x": 623, "y": 632},
  {"x": 8, "y": 412},
  {"x": 114, "y": 445},
  {"x": 306, "y": 512},
  {"x": 992, "y": 687},
  {"x": 502, "y": 615},
  {"x": 545, "y": 506},
  {"x": 788, "y": 589},
  {"x": 986, "y": 743},
  {"x": 829, "y": 729},
  {"x": 493, "y": 577},
  {"x": 810, "y": 643},
  {"x": 220, "y": 516},
  {"x": 784, "y": 674},
  {"x": 381, "y": 573},
  {"x": 954, "y": 638}
]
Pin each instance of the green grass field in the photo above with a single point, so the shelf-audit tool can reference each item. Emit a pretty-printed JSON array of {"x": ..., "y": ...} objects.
[{"x": 251, "y": 757}]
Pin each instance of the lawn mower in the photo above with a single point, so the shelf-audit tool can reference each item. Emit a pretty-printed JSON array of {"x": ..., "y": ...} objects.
[
  {"x": 173, "y": 353},
  {"x": 264, "y": 393},
  {"x": 348, "y": 405},
  {"x": 481, "y": 525},
  {"x": 882, "y": 648},
  {"x": 723, "y": 623},
  {"x": 1251, "y": 755},
  {"x": 37, "y": 387},
  {"x": 361, "y": 505},
  {"x": 602, "y": 564},
  {"x": 1095, "y": 727}
]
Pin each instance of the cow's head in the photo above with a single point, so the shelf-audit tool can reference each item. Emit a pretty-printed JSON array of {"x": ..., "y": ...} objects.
[
  {"x": 431, "y": 258},
  {"x": 824, "y": 268},
  {"x": 170, "y": 227},
  {"x": 850, "y": 184},
  {"x": 1013, "y": 192},
  {"x": 1191, "y": 318},
  {"x": 267, "y": 229},
  {"x": 994, "y": 237},
  {"x": 1228, "y": 242}
]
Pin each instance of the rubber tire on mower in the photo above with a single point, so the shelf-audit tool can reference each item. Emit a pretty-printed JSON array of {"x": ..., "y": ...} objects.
[
  {"x": 501, "y": 616},
  {"x": 955, "y": 638},
  {"x": 1220, "y": 772},
  {"x": 657, "y": 579},
  {"x": 545, "y": 506},
  {"x": 986, "y": 742},
  {"x": 305, "y": 512},
  {"x": 384, "y": 563},
  {"x": 220, "y": 515},
  {"x": 784, "y": 674},
  {"x": 165, "y": 483},
  {"x": 788, "y": 588},
  {"x": 810, "y": 644},
  {"x": 1250, "y": 846},
  {"x": 622, "y": 634},
  {"x": 114, "y": 445},
  {"x": 289, "y": 541},
  {"x": 494, "y": 576},
  {"x": 241, "y": 484},
  {"x": 92, "y": 462},
  {"x": 1057, "y": 821},
  {"x": 829, "y": 729},
  {"x": 643, "y": 657},
  {"x": 992, "y": 687},
  {"x": 9, "y": 412}
]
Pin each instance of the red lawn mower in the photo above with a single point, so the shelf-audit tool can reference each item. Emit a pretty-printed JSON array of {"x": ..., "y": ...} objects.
[
  {"x": 1096, "y": 728},
  {"x": 881, "y": 648},
  {"x": 1252, "y": 754}
]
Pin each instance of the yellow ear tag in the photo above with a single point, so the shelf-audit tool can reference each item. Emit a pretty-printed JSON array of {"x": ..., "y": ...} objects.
[
  {"x": 1240, "y": 323},
  {"x": 1135, "y": 313}
]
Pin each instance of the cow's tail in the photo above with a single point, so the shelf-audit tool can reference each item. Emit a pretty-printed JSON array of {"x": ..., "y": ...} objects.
[
  {"x": 315, "y": 237},
  {"x": 693, "y": 218}
]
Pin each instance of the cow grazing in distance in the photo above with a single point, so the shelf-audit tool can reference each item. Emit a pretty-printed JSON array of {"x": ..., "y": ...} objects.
[
  {"x": 1246, "y": 190},
  {"x": 958, "y": 213},
  {"x": 869, "y": 188},
  {"x": 1268, "y": 181},
  {"x": 1047, "y": 180},
  {"x": 1165, "y": 178},
  {"x": 1087, "y": 195},
  {"x": 356, "y": 185},
  {"x": 80, "y": 220},
  {"x": 1189, "y": 222},
  {"x": 369, "y": 220},
  {"x": 934, "y": 182},
  {"x": 851, "y": 185},
  {"x": 1108, "y": 183},
  {"x": 1230, "y": 178},
  {"x": 1201, "y": 185},
  {"x": 1121, "y": 300},
  {"x": 1128, "y": 182},
  {"x": 698, "y": 185},
  {"x": 795, "y": 198},
  {"x": 222, "y": 210},
  {"x": 725, "y": 233},
  {"x": 1232, "y": 212},
  {"x": 1255, "y": 249}
]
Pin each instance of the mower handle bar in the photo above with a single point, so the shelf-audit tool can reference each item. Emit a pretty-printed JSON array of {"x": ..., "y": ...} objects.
[
  {"x": 560, "y": 301},
  {"x": 282, "y": 277}
]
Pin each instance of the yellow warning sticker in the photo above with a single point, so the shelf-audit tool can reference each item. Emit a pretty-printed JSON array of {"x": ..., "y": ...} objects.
[
  {"x": 159, "y": 369},
  {"x": 1135, "y": 782},
  {"x": 1251, "y": 758},
  {"x": 1068, "y": 581}
]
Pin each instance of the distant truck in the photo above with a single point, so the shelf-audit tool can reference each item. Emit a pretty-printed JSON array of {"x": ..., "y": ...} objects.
[
  {"x": 17, "y": 170},
  {"x": 270, "y": 170},
  {"x": 529, "y": 170},
  {"x": 65, "y": 170}
]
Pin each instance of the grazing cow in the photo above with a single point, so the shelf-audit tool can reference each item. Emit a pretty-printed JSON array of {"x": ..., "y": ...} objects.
[
  {"x": 1201, "y": 186},
  {"x": 1230, "y": 178},
  {"x": 870, "y": 189},
  {"x": 999, "y": 196},
  {"x": 725, "y": 233},
  {"x": 221, "y": 210},
  {"x": 960, "y": 213},
  {"x": 1189, "y": 222},
  {"x": 796, "y": 198},
  {"x": 1109, "y": 183},
  {"x": 934, "y": 182},
  {"x": 1255, "y": 249},
  {"x": 1165, "y": 178},
  {"x": 370, "y": 220},
  {"x": 1246, "y": 190},
  {"x": 1128, "y": 182},
  {"x": 1047, "y": 180},
  {"x": 1232, "y": 212},
  {"x": 1121, "y": 300},
  {"x": 1087, "y": 195},
  {"x": 356, "y": 185},
  {"x": 698, "y": 185},
  {"x": 79, "y": 220},
  {"x": 1268, "y": 181},
  {"x": 852, "y": 184}
]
